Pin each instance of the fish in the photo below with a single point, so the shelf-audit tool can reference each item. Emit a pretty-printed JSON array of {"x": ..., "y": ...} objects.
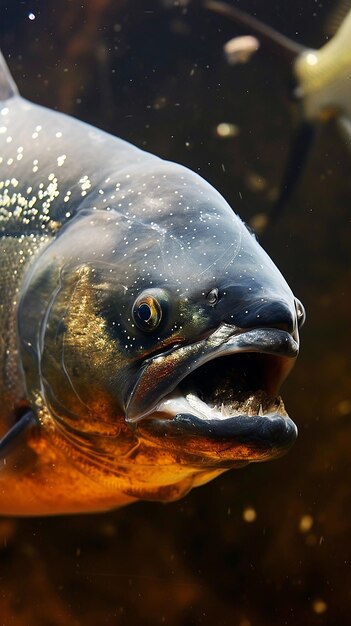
[
  {"x": 322, "y": 87},
  {"x": 145, "y": 333}
]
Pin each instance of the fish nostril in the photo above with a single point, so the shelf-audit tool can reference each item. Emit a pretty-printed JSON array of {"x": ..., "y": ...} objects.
[{"x": 300, "y": 312}]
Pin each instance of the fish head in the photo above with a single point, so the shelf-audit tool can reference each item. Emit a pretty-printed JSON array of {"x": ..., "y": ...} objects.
[{"x": 157, "y": 338}]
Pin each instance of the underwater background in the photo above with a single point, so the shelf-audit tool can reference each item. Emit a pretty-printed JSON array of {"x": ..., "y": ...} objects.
[{"x": 268, "y": 545}]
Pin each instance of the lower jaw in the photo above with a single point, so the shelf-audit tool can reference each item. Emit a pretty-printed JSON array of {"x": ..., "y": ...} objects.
[{"x": 223, "y": 442}]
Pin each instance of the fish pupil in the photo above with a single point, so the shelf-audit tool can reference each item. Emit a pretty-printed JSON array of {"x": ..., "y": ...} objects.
[
  {"x": 213, "y": 297},
  {"x": 147, "y": 312},
  {"x": 144, "y": 312}
]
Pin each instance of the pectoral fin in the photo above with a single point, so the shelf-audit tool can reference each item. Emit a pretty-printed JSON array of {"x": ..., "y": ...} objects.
[
  {"x": 8, "y": 87},
  {"x": 13, "y": 445}
]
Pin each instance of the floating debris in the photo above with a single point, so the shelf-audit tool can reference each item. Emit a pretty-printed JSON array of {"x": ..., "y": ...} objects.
[
  {"x": 159, "y": 103},
  {"x": 249, "y": 515},
  {"x": 344, "y": 407},
  {"x": 256, "y": 182},
  {"x": 259, "y": 222},
  {"x": 224, "y": 130},
  {"x": 319, "y": 606},
  {"x": 305, "y": 523},
  {"x": 240, "y": 49}
]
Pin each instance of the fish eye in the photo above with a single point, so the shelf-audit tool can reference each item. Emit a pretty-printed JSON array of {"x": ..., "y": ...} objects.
[
  {"x": 300, "y": 312},
  {"x": 212, "y": 297},
  {"x": 147, "y": 311}
]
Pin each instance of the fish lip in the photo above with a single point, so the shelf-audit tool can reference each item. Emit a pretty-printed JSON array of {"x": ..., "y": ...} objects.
[
  {"x": 225, "y": 340},
  {"x": 240, "y": 438}
]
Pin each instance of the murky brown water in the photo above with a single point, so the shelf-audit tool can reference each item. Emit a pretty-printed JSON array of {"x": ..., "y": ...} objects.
[{"x": 268, "y": 545}]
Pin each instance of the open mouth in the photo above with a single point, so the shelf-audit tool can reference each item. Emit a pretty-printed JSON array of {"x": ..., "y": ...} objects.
[
  {"x": 230, "y": 386},
  {"x": 228, "y": 407}
]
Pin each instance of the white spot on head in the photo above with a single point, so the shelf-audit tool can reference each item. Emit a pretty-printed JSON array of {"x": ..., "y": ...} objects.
[
  {"x": 311, "y": 58},
  {"x": 61, "y": 159}
]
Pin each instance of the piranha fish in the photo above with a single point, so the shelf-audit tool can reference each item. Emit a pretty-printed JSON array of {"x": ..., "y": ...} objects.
[
  {"x": 144, "y": 331},
  {"x": 322, "y": 80}
]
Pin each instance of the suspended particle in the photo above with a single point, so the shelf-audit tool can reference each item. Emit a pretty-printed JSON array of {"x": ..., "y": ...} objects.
[
  {"x": 240, "y": 49},
  {"x": 224, "y": 130},
  {"x": 306, "y": 523},
  {"x": 249, "y": 515},
  {"x": 319, "y": 606}
]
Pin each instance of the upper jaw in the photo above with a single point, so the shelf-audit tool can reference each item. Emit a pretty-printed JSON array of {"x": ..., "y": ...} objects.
[{"x": 161, "y": 374}]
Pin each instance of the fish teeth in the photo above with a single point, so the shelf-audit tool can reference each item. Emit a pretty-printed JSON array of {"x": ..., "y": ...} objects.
[
  {"x": 224, "y": 411},
  {"x": 251, "y": 406}
]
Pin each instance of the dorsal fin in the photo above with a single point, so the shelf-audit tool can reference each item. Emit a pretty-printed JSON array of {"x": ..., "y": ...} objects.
[{"x": 8, "y": 87}]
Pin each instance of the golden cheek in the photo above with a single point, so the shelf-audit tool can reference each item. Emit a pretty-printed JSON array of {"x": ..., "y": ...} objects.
[{"x": 80, "y": 363}]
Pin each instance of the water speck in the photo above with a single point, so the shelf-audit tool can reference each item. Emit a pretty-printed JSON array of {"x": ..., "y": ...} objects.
[
  {"x": 305, "y": 523},
  {"x": 319, "y": 606},
  {"x": 31, "y": 16},
  {"x": 249, "y": 515}
]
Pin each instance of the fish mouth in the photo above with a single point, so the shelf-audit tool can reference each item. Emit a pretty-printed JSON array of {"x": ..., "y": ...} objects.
[{"x": 227, "y": 409}]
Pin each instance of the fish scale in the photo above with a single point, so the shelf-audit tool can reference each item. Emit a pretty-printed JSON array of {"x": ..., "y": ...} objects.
[{"x": 12, "y": 386}]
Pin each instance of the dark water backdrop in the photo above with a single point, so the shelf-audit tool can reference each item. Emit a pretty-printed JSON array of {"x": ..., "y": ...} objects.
[{"x": 153, "y": 73}]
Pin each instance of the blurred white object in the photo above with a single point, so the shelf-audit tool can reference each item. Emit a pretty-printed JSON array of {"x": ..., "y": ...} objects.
[{"x": 241, "y": 49}]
